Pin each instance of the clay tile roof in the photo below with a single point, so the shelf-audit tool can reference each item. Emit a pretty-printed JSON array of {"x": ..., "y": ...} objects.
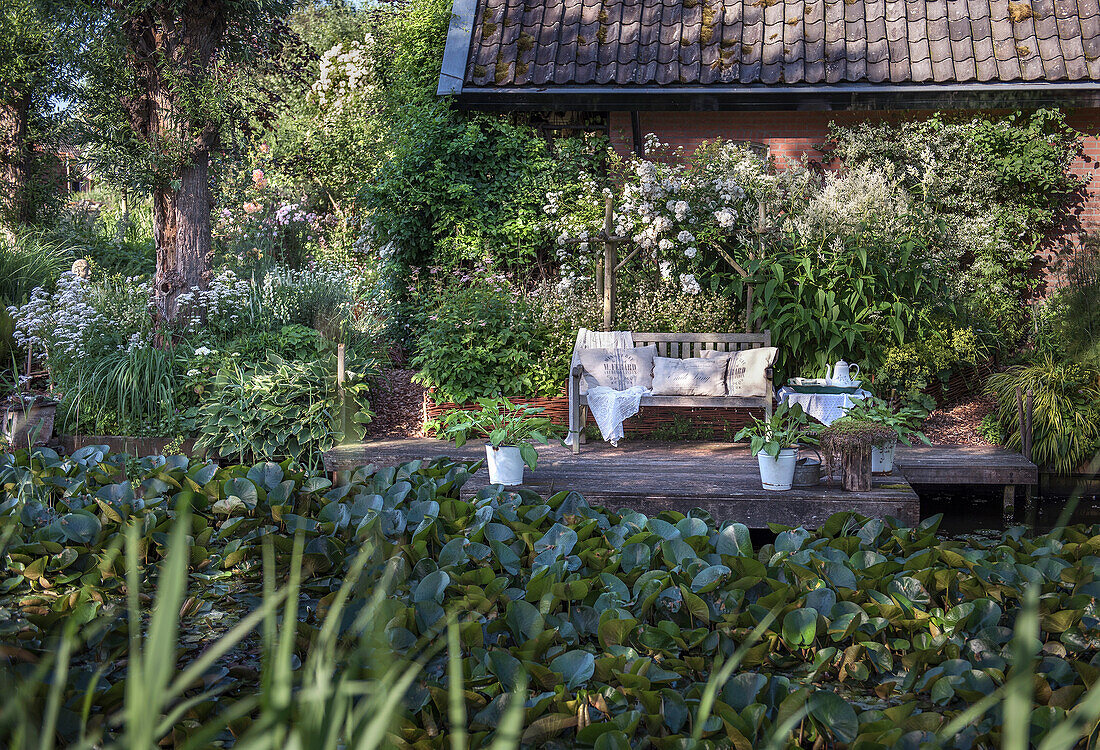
[{"x": 519, "y": 43}]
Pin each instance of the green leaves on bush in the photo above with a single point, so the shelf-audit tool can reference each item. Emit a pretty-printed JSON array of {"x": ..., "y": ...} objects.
[
  {"x": 840, "y": 300},
  {"x": 281, "y": 409}
]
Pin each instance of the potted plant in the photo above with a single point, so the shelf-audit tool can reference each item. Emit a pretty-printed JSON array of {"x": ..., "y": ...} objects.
[
  {"x": 28, "y": 420},
  {"x": 511, "y": 431},
  {"x": 851, "y": 439},
  {"x": 774, "y": 442},
  {"x": 902, "y": 422}
]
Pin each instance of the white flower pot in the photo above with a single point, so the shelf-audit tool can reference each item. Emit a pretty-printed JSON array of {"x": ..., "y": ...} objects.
[
  {"x": 777, "y": 473},
  {"x": 882, "y": 457},
  {"x": 505, "y": 464}
]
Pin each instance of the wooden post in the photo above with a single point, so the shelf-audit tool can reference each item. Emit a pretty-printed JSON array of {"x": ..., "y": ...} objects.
[
  {"x": 610, "y": 260},
  {"x": 1024, "y": 414},
  {"x": 341, "y": 374},
  {"x": 1008, "y": 508},
  {"x": 855, "y": 463}
]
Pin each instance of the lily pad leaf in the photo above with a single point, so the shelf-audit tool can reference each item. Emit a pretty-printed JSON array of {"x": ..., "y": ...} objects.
[
  {"x": 431, "y": 587},
  {"x": 81, "y": 528},
  {"x": 575, "y": 666},
  {"x": 734, "y": 540},
  {"x": 800, "y": 627}
]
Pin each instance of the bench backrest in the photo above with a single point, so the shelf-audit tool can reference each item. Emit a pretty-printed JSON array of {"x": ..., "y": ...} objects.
[{"x": 687, "y": 345}]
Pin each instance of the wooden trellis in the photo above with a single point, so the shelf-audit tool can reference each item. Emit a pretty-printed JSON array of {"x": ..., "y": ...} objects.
[{"x": 608, "y": 266}]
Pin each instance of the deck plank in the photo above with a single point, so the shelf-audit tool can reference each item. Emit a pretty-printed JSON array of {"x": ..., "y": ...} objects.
[
  {"x": 964, "y": 464},
  {"x": 721, "y": 478}
]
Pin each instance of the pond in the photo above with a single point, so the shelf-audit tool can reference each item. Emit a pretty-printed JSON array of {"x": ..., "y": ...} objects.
[{"x": 967, "y": 508}]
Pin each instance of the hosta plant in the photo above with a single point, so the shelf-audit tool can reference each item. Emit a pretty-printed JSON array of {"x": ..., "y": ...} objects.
[
  {"x": 282, "y": 409},
  {"x": 501, "y": 423}
]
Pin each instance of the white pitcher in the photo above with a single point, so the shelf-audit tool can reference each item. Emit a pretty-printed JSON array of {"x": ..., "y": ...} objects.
[{"x": 841, "y": 373}]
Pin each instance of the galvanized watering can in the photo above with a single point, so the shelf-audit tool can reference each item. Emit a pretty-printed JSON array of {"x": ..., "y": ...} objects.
[{"x": 807, "y": 471}]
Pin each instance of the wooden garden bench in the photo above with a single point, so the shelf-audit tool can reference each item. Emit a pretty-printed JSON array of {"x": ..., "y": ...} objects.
[{"x": 682, "y": 346}]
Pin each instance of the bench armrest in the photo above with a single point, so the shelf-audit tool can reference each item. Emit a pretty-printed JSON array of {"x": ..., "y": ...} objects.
[
  {"x": 577, "y": 371},
  {"x": 769, "y": 373}
]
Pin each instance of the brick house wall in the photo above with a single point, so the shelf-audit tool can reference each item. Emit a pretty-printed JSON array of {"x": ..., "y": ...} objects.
[{"x": 792, "y": 135}]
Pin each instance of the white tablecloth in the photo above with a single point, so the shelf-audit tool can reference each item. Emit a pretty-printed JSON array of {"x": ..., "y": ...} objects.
[{"x": 825, "y": 407}]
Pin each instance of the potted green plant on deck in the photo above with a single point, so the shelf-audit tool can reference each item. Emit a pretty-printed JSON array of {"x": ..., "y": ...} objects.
[
  {"x": 774, "y": 442},
  {"x": 510, "y": 430},
  {"x": 902, "y": 423}
]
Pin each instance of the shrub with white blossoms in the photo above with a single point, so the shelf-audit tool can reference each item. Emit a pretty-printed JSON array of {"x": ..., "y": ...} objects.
[
  {"x": 221, "y": 307},
  {"x": 345, "y": 74},
  {"x": 673, "y": 209},
  {"x": 61, "y": 324}
]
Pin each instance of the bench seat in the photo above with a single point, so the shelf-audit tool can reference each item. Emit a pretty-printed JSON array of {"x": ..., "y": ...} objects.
[{"x": 681, "y": 346}]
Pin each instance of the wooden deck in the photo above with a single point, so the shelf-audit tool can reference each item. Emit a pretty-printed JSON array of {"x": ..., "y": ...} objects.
[
  {"x": 964, "y": 464},
  {"x": 650, "y": 477}
]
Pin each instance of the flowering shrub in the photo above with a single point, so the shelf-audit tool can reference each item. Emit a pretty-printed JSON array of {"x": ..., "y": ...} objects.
[
  {"x": 220, "y": 309},
  {"x": 673, "y": 210},
  {"x": 255, "y": 223},
  {"x": 61, "y": 324},
  {"x": 345, "y": 74}
]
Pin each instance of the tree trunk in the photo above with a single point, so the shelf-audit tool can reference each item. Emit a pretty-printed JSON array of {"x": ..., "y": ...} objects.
[
  {"x": 171, "y": 49},
  {"x": 14, "y": 169},
  {"x": 181, "y": 226},
  {"x": 855, "y": 463}
]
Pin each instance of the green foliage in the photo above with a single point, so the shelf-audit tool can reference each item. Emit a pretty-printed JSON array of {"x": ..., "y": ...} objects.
[
  {"x": 476, "y": 339},
  {"x": 31, "y": 262},
  {"x": 666, "y": 627},
  {"x": 1066, "y": 419},
  {"x": 939, "y": 347},
  {"x": 125, "y": 392},
  {"x": 840, "y": 300},
  {"x": 904, "y": 421},
  {"x": 997, "y": 185},
  {"x": 501, "y": 423},
  {"x": 786, "y": 428},
  {"x": 461, "y": 189},
  {"x": 990, "y": 430},
  {"x": 1070, "y": 324},
  {"x": 281, "y": 408}
]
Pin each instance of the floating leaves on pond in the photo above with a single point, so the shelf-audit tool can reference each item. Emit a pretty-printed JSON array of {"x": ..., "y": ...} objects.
[{"x": 611, "y": 622}]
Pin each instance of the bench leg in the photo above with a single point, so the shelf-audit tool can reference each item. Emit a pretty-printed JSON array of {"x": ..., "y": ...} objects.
[{"x": 574, "y": 426}]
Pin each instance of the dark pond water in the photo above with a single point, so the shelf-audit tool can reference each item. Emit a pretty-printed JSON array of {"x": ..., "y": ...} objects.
[{"x": 970, "y": 508}]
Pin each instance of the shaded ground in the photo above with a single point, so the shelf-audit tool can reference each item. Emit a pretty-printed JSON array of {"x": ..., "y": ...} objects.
[
  {"x": 958, "y": 423},
  {"x": 397, "y": 403}
]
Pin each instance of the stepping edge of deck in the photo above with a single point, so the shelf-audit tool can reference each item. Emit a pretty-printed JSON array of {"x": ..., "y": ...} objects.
[{"x": 727, "y": 490}]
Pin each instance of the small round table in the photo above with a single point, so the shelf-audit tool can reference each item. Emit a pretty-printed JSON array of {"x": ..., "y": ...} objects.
[{"x": 824, "y": 407}]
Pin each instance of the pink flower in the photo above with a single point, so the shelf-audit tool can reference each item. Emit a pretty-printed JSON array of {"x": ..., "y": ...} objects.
[{"x": 252, "y": 207}]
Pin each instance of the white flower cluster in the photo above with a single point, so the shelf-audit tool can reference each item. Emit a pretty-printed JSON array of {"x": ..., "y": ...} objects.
[
  {"x": 61, "y": 323},
  {"x": 668, "y": 207},
  {"x": 345, "y": 74},
  {"x": 220, "y": 305}
]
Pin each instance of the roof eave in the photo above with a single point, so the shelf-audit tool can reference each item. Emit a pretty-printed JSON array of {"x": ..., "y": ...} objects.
[
  {"x": 457, "y": 49},
  {"x": 826, "y": 97}
]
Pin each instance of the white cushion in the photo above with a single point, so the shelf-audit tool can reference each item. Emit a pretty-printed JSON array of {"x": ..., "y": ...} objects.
[
  {"x": 619, "y": 368},
  {"x": 689, "y": 377},
  {"x": 745, "y": 372}
]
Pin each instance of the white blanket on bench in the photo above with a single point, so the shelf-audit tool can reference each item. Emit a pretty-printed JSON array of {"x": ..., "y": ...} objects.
[{"x": 610, "y": 408}]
